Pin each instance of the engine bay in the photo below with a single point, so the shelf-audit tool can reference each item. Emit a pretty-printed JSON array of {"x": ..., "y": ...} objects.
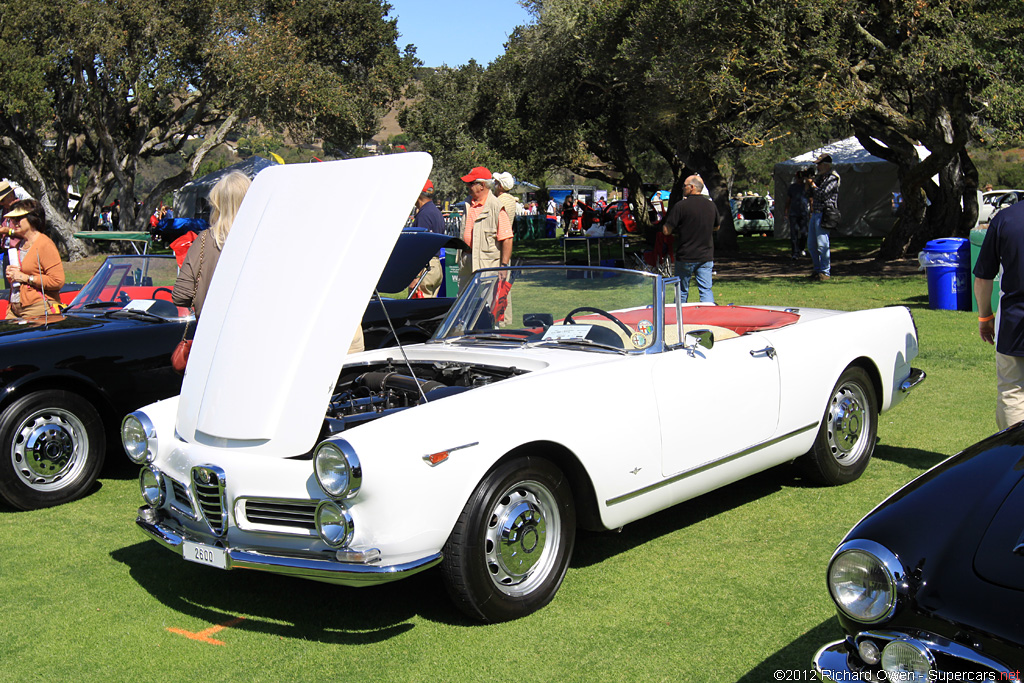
[{"x": 366, "y": 392}]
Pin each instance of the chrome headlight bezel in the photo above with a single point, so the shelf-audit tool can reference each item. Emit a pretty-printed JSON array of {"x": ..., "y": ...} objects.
[
  {"x": 869, "y": 559},
  {"x": 337, "y": 469},
  {"x": 140, "y": 429},
  {"x": 334, "y": 524},
  {"x": 151, "y": 486}
]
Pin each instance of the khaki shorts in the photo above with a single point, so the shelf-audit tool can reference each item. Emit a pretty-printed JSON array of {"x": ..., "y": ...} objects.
[{"x": 1010, "y": 386}]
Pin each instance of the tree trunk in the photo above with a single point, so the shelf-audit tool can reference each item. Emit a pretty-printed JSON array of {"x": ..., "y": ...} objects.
[{"x": 718, "y": 189}]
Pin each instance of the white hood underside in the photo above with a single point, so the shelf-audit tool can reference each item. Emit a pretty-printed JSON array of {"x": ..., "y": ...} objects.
[{"x": 305, "y": 251}]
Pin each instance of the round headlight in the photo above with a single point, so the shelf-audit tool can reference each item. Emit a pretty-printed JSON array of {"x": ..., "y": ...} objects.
[
  {"x": 334, "y": 524},
  {"x": 908, "y": 660},
  {"x": 862, "y": 579},
  {"x": 337, "y": 469},
  {"x": 869, "y": 652},
  {"x": 151, "y": 484},
  {"x": 138, "y": 437}
]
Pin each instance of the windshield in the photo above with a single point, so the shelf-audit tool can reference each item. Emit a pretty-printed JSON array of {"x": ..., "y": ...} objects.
[
  {"x": 589, "y": 308},
  {"x": 123, "y": 278}
]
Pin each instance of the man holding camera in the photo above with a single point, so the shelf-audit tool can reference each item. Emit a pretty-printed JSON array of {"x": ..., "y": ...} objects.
[{"x": 824, "y": 217}]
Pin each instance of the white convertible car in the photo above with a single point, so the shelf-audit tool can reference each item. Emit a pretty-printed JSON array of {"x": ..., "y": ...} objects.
[{"x": 549, "y": 399}]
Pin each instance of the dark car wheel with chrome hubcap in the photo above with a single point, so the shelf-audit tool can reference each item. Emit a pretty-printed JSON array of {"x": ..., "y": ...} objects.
[
  {"x": 507, "y": 555},
  {"x": 53, "y": 448},
  {"x": 846, "y": 438}
]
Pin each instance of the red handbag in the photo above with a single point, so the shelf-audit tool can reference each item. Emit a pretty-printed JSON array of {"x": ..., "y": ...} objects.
[{"x": 179, "y": 357}]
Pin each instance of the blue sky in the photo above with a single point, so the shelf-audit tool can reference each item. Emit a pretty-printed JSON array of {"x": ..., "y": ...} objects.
[{"x": 454, "y": 31}]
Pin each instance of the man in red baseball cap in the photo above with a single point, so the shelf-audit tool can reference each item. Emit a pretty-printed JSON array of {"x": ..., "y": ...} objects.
[{"x": 488, "y": 227}]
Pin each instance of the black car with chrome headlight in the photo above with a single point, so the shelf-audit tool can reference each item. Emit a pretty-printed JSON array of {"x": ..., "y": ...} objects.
[{"x": 930, "y": 585}]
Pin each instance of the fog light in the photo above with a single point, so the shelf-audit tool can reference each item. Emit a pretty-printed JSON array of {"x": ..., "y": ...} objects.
[
  {"x": 151, "y": 484},
  {"x": 907, "y": 660},
  {"x": 869, "y": 652},
  {"x": 334, "y": 524}
]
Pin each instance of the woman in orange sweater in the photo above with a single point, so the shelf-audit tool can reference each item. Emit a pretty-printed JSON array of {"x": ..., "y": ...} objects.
[{"x": 37, "y": 277}]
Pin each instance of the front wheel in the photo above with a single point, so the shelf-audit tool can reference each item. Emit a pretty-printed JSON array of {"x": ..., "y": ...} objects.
[
  {"x": 510, "y": 548},
  {"x": 53, "y": 448},
  {"x": 846, "y": 438}
]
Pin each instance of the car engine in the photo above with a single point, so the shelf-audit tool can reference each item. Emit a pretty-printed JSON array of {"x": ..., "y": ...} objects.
[{"x": 366, "y": 392}]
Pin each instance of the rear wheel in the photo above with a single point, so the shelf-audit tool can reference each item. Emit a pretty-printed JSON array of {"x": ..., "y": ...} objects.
[
  {"x": 509, "y": 550},
  {"x": 846, "y": 438},
  {"x": 53, "y": 448}
]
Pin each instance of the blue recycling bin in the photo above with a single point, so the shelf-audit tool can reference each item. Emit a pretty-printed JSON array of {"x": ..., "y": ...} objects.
[{"x": 947, "y": 264}]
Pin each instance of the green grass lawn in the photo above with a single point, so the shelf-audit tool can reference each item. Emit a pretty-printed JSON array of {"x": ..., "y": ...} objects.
[{"x": 726, "y": 587}]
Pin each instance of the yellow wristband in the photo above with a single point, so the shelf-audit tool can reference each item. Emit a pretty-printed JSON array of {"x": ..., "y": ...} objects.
[{"x": 987, "y": 318}]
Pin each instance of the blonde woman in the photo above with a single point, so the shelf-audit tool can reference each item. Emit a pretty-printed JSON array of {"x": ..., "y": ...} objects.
[{"x": 197, "y": 270}]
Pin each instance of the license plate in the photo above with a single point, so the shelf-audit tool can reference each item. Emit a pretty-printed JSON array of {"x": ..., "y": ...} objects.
[{"x": 205, "y": 554}]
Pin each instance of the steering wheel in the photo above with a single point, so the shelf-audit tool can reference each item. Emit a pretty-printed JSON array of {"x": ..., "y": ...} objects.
[
  {"x": 587, "y": 309},
  {"x": 163, "y": 289}
]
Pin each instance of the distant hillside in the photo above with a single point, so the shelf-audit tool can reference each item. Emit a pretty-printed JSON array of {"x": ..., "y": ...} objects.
[{"x": 389, "y": 125}]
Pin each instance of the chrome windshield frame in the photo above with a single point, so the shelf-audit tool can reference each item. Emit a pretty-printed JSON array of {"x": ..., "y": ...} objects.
[{"x": 657, "y": 281}]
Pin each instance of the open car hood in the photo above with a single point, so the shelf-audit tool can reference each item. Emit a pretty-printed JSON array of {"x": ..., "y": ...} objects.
[{"x": 306, "y": 249}]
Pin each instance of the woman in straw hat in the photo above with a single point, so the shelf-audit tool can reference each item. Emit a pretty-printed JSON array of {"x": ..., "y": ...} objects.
[{"x": 36, "y": 273}]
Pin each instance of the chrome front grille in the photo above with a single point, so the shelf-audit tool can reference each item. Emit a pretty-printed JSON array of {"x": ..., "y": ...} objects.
[
  {"x": 280, "y": 512},
  {"x": 180, "y": 499},
  {"x": 208, "y": 487}
]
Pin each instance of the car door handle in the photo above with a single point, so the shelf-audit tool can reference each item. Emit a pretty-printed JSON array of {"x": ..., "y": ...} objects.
[{"x": 766, "y": 351}]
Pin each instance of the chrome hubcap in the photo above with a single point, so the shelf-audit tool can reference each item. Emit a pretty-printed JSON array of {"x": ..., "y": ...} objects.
[
  {"x": 522, "y": 538},
  {"x": 847, "y": 421},
  {"x": 49, "y": 449}
]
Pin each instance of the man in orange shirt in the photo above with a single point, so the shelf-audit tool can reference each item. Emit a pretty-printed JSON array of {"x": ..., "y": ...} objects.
[{"x": 487, "y": 230}]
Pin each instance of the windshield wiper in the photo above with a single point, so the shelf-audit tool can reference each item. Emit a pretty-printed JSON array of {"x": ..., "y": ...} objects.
[
  {"x": 486, "y": 336},
  {"x": 581, "y": 342},
  {"x": 135, "y": 312},
  {"x": 99, "y": 304}
]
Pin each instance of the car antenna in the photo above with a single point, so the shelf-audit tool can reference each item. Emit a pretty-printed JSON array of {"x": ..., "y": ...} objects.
[{"x": 401, "y": 347}]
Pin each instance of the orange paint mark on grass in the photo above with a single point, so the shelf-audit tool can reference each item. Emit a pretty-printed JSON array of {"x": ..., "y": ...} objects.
[{"x": 204, "y": 636}]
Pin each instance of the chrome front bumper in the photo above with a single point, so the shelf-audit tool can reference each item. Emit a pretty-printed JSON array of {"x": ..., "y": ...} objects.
[
  {"x": 831, "y": 663},
  {"x": 318, "y": 568}
]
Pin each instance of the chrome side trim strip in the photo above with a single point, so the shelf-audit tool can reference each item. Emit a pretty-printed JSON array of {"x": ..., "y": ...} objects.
[
  {"x": 322, "y": 568},
  {"x": 916, "y": 377},
  {"x": 708, "y": 465}
]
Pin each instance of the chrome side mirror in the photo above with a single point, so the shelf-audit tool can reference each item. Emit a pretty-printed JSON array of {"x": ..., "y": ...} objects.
[{"x": 705, "y": 338}]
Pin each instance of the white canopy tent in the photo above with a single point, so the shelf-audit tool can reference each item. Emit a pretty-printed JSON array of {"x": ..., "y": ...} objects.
[{"x": 865, "y": 195}]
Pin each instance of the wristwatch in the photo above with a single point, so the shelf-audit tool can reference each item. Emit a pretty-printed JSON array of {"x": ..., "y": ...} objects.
[{"x": 31, "y": 279}]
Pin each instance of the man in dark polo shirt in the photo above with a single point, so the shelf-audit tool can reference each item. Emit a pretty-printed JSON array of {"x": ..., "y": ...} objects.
[
  {"x": 693, "y": 221},
  {"x": 428, "y": 216},
  {"x": 1003, "y": 250}
]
